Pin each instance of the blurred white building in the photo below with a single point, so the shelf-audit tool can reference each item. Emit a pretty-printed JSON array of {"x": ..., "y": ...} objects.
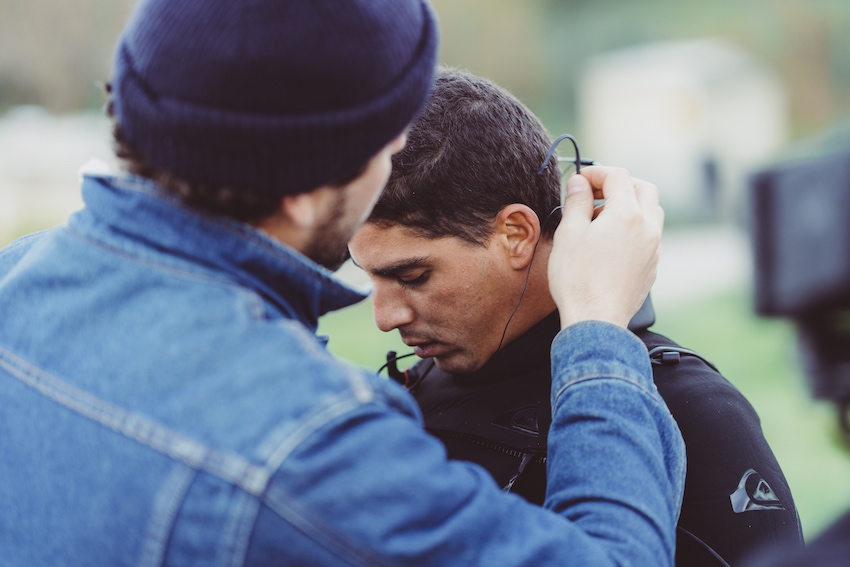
[{"x": 694, "y": 117}]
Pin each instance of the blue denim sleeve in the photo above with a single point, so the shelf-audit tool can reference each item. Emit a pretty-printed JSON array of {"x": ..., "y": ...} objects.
[
  {"x": 370, "y": 487},
  {"x": 616, "y": 463}
]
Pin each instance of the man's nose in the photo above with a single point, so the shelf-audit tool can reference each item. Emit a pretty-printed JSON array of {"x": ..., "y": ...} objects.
[{"x": 390, "y": 309}]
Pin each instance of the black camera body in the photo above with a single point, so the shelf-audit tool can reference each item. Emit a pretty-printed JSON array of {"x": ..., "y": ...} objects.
[
  {"x": 801, "y": 236},
  {"x": 800, "y": 214}
]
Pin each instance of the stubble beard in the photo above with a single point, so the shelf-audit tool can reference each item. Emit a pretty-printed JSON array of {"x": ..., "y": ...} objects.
[{"x": 329, "y": 245}]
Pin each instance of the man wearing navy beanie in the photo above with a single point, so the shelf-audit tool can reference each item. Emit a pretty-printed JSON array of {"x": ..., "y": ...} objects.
[{"x": 165, "y": 398}]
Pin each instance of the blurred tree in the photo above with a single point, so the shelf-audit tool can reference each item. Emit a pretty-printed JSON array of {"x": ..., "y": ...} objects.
[
  {"x": 53, "y": 53},
  {"x": 813, "y": 51},
  {"x": 499, "y": 39}
]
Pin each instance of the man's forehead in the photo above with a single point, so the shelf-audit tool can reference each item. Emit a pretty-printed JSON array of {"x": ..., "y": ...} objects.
[{"x": 388, "y": 249}]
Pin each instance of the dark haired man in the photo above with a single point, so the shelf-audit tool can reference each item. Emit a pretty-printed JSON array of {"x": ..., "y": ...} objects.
[
  {"x": 165, "y": 400},
  {"x": 457, "y": 249}
]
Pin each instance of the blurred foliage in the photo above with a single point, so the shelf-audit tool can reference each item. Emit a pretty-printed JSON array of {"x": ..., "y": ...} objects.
[
  {"x": 538, "y": 48},
  {"x": 55, "y": 53}
]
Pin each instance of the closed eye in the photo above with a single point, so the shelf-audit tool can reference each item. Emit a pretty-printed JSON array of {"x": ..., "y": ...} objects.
[{"x": 414, "y": 282}]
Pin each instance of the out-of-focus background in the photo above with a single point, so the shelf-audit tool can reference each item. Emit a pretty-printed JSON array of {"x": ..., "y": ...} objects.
[{"x": 694, "y": 96}]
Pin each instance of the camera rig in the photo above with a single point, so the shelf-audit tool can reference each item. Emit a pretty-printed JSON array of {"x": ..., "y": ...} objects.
[{"x": 801, "y": 240}]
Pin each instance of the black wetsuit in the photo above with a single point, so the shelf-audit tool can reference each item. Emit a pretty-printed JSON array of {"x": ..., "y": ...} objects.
[
  {"x": 736, "y": 497},
  {"x": 829, "y": 549}
]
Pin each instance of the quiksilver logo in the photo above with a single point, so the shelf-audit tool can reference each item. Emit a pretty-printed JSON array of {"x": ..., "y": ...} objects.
[{"x": 754, "y": 493}]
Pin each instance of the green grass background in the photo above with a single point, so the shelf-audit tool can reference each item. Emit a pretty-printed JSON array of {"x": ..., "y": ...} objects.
[{"x": 757, "y": 355}]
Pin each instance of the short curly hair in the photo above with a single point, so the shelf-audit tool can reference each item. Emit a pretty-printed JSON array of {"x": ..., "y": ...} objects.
[{"x": 474, "y": 150}]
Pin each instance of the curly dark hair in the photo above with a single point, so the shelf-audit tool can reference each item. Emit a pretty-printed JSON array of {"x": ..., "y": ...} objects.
[
  {"x": 474, "y": 150},
  {"x": 244, "y": 206}
]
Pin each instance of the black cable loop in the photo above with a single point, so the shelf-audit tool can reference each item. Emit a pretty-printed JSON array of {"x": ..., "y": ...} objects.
[{"x": 576, "y": 161}]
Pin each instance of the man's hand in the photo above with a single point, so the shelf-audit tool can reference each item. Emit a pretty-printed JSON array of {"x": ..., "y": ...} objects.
[{"x": 603, "y": 269}]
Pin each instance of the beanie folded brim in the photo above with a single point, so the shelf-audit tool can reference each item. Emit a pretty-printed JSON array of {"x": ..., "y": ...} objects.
[{"x": 273, "y": 154}]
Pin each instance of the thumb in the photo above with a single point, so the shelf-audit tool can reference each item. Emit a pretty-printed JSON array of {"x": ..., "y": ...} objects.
[{"x": 578, "y": 204}]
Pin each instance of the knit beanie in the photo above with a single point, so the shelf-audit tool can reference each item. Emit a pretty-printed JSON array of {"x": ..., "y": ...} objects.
[{"x": 272, "y": 97}]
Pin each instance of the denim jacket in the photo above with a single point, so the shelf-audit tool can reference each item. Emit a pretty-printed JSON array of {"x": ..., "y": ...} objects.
[{"x": 165, "y": 401}]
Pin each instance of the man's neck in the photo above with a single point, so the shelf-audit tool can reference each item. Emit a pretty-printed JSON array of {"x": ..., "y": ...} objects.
[
  {"x": 526, "y": 352},
  {"x": 535, "y": 302}
]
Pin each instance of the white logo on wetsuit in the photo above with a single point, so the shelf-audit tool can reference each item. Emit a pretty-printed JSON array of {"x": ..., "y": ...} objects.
[{"x": 754, "y": 493}]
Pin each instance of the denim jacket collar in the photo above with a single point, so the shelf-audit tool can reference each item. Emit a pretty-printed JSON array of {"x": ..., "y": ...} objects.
[{"x": 139, "y": 213}]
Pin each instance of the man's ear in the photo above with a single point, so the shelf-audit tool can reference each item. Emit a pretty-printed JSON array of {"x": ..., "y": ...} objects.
[
  {"x": 295, "y": 218},
  {"x": 518, "y": 230},
  {"x": 305, "y": 209}
]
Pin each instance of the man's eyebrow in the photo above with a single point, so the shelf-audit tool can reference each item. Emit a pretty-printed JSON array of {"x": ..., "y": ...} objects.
[{"x": 399, "y": 266}]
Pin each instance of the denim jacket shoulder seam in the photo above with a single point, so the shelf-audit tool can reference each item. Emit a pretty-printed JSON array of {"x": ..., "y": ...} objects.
[
  {"x": 310, "y": 426},
  {"x": 17, "y": 243},
  {"x": 253, "y": 478},
  {"x": 602, "y": 376}
]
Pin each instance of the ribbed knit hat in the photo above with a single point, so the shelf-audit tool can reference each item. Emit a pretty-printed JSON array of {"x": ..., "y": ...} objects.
[{"x": 271, "y": 96}]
